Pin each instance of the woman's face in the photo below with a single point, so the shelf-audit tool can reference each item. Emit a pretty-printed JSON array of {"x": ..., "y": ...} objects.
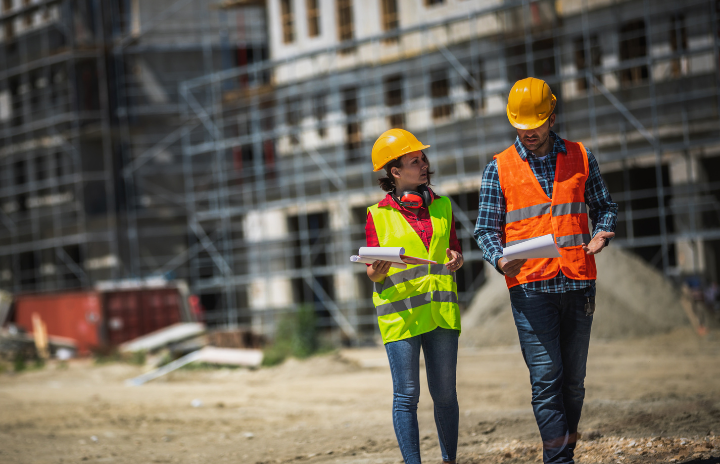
[{"x": 414, "y": 169}]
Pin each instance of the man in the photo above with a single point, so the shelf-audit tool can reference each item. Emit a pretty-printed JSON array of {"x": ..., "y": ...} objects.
[{"x": 545, "y": 185}]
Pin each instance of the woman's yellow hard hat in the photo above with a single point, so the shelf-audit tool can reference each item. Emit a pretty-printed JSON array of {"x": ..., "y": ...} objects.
[
  {"x": 530, "y": 104},
  {"x": 393, "y": 144}
]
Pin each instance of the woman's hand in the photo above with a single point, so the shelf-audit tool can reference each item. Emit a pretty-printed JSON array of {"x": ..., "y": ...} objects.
[
  {"x": 378, "y": 270},
  {"x": 456, "y": 260}
]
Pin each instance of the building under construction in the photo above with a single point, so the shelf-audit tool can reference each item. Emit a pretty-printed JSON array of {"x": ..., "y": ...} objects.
[{"x": 228, "y": 143}]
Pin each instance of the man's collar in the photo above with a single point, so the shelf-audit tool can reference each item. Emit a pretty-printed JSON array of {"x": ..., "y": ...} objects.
[{"x": 558, "y": 146}]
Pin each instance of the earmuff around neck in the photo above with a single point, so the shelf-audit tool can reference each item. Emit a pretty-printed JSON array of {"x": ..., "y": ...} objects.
[{"x": 415, "y": 199}]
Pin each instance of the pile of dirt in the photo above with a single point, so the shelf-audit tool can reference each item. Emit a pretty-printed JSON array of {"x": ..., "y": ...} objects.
[{"x": 633, "y": 300}]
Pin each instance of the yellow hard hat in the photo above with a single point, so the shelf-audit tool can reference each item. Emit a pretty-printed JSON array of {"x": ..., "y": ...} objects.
[
  {"x": 530, "y": 104},
  {"x": 393, "y": 144}
]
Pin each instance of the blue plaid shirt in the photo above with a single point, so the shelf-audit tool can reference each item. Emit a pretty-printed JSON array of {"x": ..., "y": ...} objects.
[{"x": 491, "y": 210}]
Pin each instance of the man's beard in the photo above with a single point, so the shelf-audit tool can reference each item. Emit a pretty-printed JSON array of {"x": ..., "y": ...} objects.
[{"x": 542, "y": 144}]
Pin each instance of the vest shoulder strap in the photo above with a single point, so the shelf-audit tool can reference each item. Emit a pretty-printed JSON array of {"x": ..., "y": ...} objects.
[{"x": 507, "y": 152}]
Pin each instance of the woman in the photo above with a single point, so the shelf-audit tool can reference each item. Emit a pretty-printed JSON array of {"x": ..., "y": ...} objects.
[{"x": 416, "y": 307}]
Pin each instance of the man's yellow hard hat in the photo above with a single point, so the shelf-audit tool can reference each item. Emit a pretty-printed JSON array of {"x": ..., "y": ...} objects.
[
  {"x": 393, "y": 144},
  {"x": 530, "y": 104}
]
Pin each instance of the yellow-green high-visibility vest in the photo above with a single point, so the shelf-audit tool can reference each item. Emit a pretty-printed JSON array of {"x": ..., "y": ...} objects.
[{"x": 418, "y": 299}]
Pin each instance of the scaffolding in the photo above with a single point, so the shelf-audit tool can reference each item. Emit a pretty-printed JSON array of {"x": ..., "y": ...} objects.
[
  {"x": 285, "y": 196},
  {"x": 248, "y": 176},
  {"x": 57, "y": 200},
  {"x": 165, "y": 43}
]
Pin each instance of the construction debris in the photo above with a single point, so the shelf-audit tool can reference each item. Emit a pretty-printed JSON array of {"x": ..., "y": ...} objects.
[
  {"x": 231, "y": 356},
  {"x": 163, "y": 337},
  {"x": 15, "y": 342},
  {"x": 209, "y": 354},
  {"x": 5, "y": 302},
  {"x": 40, "y": 336},
  {"x": 235, "y": 339}
]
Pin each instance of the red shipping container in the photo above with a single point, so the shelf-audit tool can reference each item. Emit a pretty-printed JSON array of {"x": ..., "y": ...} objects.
[
  {"x": 102, "y": 319},
  {"x": 131, "y": 314},
  {"x": 72, "y": 315}
]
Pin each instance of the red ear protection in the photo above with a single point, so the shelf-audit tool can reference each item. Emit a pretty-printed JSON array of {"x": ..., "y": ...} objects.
[{"x": 415, "y": 199}]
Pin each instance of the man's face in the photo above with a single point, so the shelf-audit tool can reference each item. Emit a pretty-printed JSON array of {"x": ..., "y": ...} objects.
[{"x": 535, "y": 138}]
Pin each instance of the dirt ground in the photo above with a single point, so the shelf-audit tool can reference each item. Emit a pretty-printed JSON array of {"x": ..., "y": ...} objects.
[{"x": 654, "y": 400}]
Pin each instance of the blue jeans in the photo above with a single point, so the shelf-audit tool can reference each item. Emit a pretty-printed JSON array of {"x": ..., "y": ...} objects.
[
  {"x": 554, "y": 333},
  {"x": 440, "y": 347}
]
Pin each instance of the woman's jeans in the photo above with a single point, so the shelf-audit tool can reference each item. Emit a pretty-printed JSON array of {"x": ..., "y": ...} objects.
[
  {"x": 440, "y": 347},
  {"x": 554, "y": 332}
]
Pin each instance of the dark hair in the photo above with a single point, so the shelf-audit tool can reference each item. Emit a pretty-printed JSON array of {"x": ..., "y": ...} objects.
[{"x": 387, "y": 183}]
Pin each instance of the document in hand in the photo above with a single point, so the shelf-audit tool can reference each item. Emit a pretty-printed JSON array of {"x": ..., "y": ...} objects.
[
  {"x": 538, "y": 247},
  {"x": 396, "y": 255}
]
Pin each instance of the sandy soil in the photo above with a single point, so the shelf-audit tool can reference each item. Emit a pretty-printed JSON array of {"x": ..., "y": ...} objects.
[{"x": 653, "y": 400}]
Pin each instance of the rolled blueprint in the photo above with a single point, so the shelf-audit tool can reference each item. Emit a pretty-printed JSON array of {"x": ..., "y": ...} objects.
[
  {"x": 382, "y": 253},
  {"x": 395, "y": 255},
  {"x": 361, "y": 259},
  {"x": 538, "y": 247}
]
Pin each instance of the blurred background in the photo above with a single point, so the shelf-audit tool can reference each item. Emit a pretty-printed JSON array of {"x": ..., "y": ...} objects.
[{"x": 214, "y": 156}]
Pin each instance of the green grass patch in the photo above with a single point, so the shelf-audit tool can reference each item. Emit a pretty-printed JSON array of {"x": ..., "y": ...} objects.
[{"x": 296, "y": 336}]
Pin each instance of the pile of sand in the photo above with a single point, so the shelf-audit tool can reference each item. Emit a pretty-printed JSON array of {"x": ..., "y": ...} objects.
[{"x": 633, "y": 300}]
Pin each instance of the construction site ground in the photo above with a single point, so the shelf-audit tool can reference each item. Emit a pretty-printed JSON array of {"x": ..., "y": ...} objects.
[{"x": 650, "y": 400}]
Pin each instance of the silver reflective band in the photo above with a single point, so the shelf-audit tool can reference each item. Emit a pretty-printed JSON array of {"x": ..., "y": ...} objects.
[
  {"x": 515, "y": 242},
  {"x": 410, "y": 274},
  {"x": 445, "y": 297},
  {"x": 439, "y": 269},
  {"x": 569, "y": 208},
  {"x": 573, "y": 240},
  {"x": 404, "y": 276},
  {"x": 403, "y": 305},
  {"x": 526, "y": 213}
]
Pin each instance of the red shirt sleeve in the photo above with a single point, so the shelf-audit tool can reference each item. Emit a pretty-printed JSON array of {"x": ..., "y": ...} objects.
[
  {"x": 371, "y": 238},
  {"x": 454, "y": 242}
]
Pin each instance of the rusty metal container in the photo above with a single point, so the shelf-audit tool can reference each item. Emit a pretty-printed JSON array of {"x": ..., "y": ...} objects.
[
  {"x": 131, "y": 314},
  {"x": 103, "y": 318},
  {"x": 78, "y": 316}
]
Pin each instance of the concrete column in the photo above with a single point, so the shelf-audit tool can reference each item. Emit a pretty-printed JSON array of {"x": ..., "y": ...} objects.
[
  {"x": 266, "y": 291},
  {"x": 685, "y": 173},
  {"x": 344, "y": 282}
]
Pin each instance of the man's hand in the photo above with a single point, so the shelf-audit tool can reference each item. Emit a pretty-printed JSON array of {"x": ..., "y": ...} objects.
[
  {"x": 597, "y": 243},
  {"x": 510, "y": 268},
  {"x": 378, "y": 270},
  {"x": 456, "y": 260}
]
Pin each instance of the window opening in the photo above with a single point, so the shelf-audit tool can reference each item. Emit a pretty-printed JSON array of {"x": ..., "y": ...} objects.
[
  {"x": 581, "y": 61},
  {"x": 633, "y": 45},
  {"x": 390, "y": 18},
  {"x": 346, "y": 28},
  {"x": 439, "y": 91},
  {"x": 288, "y": 21},
  {"x": 313, "y": 17},
  {"x": 394, "y": 101}
]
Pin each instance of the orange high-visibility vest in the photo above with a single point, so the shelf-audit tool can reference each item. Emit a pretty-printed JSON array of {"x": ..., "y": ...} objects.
[{"x": 530, "y": 213}]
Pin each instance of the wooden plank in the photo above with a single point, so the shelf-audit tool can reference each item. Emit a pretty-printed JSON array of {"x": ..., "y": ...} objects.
[
  {"x": 209, "y": 354},
  {"x": 163, "y": 337}
]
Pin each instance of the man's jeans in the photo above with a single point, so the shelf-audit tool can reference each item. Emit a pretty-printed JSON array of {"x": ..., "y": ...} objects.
[
  {"x": 554, "y": 333},
  {"x": 440, "y": 347}
]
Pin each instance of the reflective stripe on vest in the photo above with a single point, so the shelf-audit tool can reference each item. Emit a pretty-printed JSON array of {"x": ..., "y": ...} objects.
[
  {"x": 562, "y": 242},
  {"x": 407, "y": 275},
  {"x": 418, "y": 299},
  {"x": 530, "y": 213},
  {"x": 415, "y": 301}
]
